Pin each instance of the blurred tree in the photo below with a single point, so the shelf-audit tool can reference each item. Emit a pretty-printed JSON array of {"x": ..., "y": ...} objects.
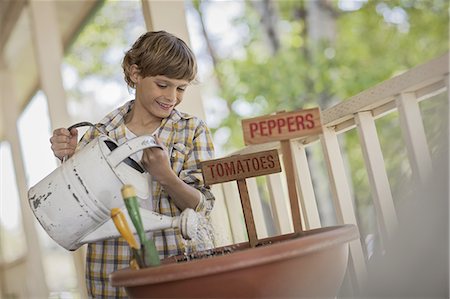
[
  {"x": 360, "y": 48},
  {"x": 95, "y": 84},
  {"x": 290, "y": 54},
  {"x": 298, "y": 54}
]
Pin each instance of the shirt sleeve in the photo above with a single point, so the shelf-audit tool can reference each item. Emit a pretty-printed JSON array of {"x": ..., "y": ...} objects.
[{"x": 202, "y": 150}]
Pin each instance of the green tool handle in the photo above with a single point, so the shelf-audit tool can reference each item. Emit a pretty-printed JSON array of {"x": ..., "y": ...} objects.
[
  {"x": 133, "y": 210},
  {"x": 151, "y": 254},
  {"x": 148, "y": 246}
]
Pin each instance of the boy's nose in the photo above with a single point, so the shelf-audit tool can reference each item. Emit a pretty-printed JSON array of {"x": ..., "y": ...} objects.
[{"x": 171, "y": 94}]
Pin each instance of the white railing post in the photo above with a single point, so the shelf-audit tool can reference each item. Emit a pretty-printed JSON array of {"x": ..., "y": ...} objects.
[
  {"x": 32, "y": 276},
  {"x": 343, "y": 203},
  {"x": 279, "y": 204},
  {"x": 258, "y": 214},
  {"x": 414, "y": 135},
  {"x": 378, "y": 179},
  {"x": 307, "y": 197},
  {"x": 220, "y": 218},
  {"x": 235, "y": 213}
]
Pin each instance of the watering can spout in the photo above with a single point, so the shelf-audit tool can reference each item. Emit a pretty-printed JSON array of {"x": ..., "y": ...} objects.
[{"x": 187, "y": 222}]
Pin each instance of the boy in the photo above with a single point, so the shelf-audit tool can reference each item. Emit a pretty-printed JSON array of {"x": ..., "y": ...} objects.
[{"x": 159, "y": 66}]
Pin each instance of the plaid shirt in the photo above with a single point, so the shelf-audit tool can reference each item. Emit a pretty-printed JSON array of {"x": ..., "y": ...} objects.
[{"x": 188, "y": 142}]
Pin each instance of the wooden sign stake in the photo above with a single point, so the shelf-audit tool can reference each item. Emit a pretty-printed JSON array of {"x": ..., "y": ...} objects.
[
  {"x": 248, "y": 214},
  {"x": 284, "y": 126},
  {"x": 238, "y": 168},
  {"x": 292, "y": 188}
]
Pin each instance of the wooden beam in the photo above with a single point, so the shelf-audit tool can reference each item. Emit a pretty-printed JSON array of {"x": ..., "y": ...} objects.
[
  {"x": 291, "y": 184},
  {"x": 306, "y": 190},
  {"x": 412, "y": 80},
  {"x": 48, "y": 46},
  {"x": 343, "y": 202},
  {"x": 248, "y": 214},
  {"x": 413, "y": 133},
  {"x": 233, "y": 204},
  {"x": 49, "y": 55},
  {"x": 10, "y": 11},
  {"x": 378, "y": 179},
  {"x": 279, "y": 202},
  {"x": 34, "y": 281},
  {"x": 257, "y": 208},
  {"x": 170, "y": 16}
]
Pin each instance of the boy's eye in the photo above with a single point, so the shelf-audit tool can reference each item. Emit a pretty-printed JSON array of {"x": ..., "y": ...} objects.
[
  {"x": 181, "y": 89},
  {"x": 161, "y": 85}
]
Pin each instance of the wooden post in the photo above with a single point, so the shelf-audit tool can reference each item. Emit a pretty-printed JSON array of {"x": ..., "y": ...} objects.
[
  {"x": 291, "y": 184},
  {"x": 343, "y": 204},
  {"x": 33, "y": 281},
  {"x": 282, "y": 219},
  {"x": 238, "y": 168},
  {"x": 284, "y": 126},
  {"x": 155, "y": 16},
  {"x": 413, "y": 132},
  {"x": 307, "y": 197},
  {"x": 378, "y": 179},
  {"x": 248, "y": 214}
]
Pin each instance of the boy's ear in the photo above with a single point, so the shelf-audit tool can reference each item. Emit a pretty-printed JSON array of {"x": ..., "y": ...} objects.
[{"x": 134, "y": 73}]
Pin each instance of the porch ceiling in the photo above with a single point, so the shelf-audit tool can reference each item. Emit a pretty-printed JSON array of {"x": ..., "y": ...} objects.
[{"x": 16, "y": 43}]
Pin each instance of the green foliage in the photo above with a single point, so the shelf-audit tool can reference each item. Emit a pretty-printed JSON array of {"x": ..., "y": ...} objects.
[
  {"x": 368, "y": 50},
  {"x": 94, "y": 50},
  {"x": 373, "y": 44}
]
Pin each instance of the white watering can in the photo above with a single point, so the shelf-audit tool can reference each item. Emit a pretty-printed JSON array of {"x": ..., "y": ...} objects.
[{"x": 73, "y": 203}]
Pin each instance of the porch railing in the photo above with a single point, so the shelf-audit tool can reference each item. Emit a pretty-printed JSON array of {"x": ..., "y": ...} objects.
[{"x": 399, "y": 96}]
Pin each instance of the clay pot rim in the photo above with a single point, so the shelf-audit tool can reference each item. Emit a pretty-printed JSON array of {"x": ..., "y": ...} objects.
[{"x": 301, "y": 244}]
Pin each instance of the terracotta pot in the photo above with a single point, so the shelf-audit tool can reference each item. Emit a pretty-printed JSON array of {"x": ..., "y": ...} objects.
[{"x": 311, "y": 264}]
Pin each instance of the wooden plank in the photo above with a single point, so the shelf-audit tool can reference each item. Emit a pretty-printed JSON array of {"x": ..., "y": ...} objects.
[
  {"x": 155, "y": 16},
  {"x": 281, "y": 126},
  {"x": 339, "y": 184},
  {"x": 291, "y": 184},
  {"x": 305, "y": 186},
  {"x": 235, "y": 214},
  {"x": 413, "y": 133},
  {"x": 220, "y": 218},
  {"x": 49, "y": 55},
  {"x": 414, "y": 79},
  {"x": 248, "y": 214},
  {"x": 342, "y": 198},
  {"x": 279, "y": 203},
  {"x": 378, "y": 179},
  {"x": 34, "y": 283},
  {"x": 430, "y": 90},
  {"x": 257, "y": 208},
  {"x": 240, "y": 167}
]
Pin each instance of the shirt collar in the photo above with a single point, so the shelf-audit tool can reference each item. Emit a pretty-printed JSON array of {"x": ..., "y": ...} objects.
[{"x": 117, "y": 117}]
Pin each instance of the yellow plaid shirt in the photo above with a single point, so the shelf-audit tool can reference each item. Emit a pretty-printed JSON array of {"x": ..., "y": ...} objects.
[{"x": 188, "y": 141}]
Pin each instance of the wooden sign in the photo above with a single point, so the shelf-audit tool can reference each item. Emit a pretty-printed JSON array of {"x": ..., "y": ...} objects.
[
  {"x": 239, "y": 167},
  {"x": 282, "y": 126}
]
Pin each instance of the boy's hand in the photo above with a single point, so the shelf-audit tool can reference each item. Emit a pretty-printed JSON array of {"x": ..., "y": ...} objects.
[
  {"x": 156, "y": 162},
  {"x": 64, "y": 142}
]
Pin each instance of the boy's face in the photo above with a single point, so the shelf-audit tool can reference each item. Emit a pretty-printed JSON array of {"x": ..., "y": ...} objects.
[{"x": 160, "y": 94}]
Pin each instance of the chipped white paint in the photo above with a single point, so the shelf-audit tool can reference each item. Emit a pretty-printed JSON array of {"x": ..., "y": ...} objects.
[{"x": 73, "y": 203}]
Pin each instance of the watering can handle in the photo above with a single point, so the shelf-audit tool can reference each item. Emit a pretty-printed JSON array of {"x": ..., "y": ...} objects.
[{"x": 130, "y": 147}]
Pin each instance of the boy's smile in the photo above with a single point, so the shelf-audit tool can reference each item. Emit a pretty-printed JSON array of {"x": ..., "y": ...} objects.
[{"x": 158, "y": 95}]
